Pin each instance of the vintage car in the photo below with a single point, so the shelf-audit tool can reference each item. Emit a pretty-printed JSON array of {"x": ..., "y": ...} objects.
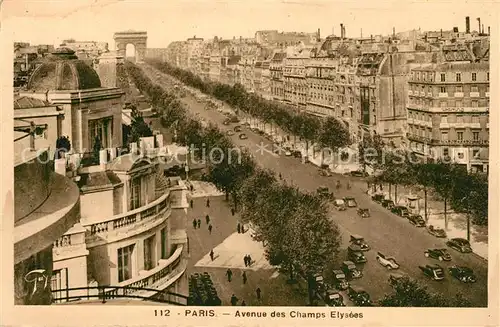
[
  {"x": 394, "y": 278},
  {"x": 358, "y": 173},
  {"x": 363, "y": 213},
  {"x": 339, "y": 204},
  {"x": 334, "y": 299},
  {"x": 400, "y": 211},
  {"x": 359, "y": 240},
  {"x": 386, "y": 261},
  {"x": 297, "y": 154},
  {"x": 243, "y": 136},
  {"x": 434, "y": 272},
  {"x": 350, "y": 270},
  {"x": 460, "y": 244},
  {"x": 463, "y": 274},
  {"x": 438, "y": 232},
  {"x": 339, "y": 280},
  {"x": 416, "y": 220},
  {"x": 324, "y": 192},
  {"x": 325, "y": 172},
  {"x": 350, "y": 202},
  {"x": 389, "y": 204},
  {"x": 355, "y": 254},
  {"x": 237, "y": 129},
  {"x": 319, "y": 281},
  {"x": 378, "y": 197},
  {"x": 440, "y": 254},
  {"x": 230, "y": 133},
  {"x": 288, "y": 152},
  {"x": 359, "y": 296}
]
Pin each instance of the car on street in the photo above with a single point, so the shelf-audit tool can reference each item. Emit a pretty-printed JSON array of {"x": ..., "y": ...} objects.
[
  {"x": 350, "y": 270},
  {"x": 459, "y": 244},
  {"x": 358, "y": 173},
  {"x": 324, "y": 192},
  {"x": 435, "y": 231},
  {"x": 355, "y": 254},
  {"x": 243, "y": 136},
  {"x": 388, "y": 204},
  {"x": 339, "y": 204},
  {"x": 401, "y": 211},
  {"x": 360, "y": 241},
  {"x": 378, "y": 197},
  {"x": 237, "y": 129},
  {"x": 350, "y": 202},
  {"x": 297, "y": 154},
  {"x": 359, "y": 296},
  {"x": 434, "y": 272},
  {"x": 325, "y": 173},
  {"x": 440, "y": 254},
  {"x": 387, "y": 261},
  {"x": 230, "y": 132},
  {"x": 319, "y": 282},
  {"x": 463, "y": 274},
  {"x": 288, "y": 153},
  {"x": 339, "y": 280},
  {"x": 363, "y": 213},
  {"x": 334, "y": 299},
  {"x": 416, "y": 220},
  {"x": 394, "y": 278}
]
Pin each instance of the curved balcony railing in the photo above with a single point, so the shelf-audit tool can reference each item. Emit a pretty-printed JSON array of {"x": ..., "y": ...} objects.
[{"x": 124, "y": 221}]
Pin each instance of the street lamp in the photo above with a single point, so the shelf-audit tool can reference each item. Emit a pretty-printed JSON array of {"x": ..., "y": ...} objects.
[{"x": 468, "y": 216}]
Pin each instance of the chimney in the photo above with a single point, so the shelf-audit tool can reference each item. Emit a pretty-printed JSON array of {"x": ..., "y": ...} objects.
[
  {"x": 341, "y": 31},
  {"x": 482, "y": 28},
  {"x": 488, "y": 30},
  {"x": 371, "y": 37},
  {"x": 479, "y": 23},
  {"x": 393, "y": 32},
  {"x": 361, "y": 33},
  {"x": 467, "y": 25},
  {"x": 319, "y": 34},
  {"x": 441, "y": 33}
]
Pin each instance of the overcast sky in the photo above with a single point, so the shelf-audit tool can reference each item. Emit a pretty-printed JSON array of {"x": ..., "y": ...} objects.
[{"x": 49, "y": 22}]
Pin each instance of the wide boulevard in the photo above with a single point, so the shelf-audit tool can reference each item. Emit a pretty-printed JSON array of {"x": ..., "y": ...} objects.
[{"x": 383, "y": 231}]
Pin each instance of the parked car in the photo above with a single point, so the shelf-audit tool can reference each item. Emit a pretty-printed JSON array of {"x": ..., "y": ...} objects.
[
  {"x": 440, "y": 254},
  {"x": 378, "y": 197},
  {"x": 226, "y": 122},
  {"x": 237, "y": 129},
  {"x": 355, "y": 254},
  {"x": 394, "y": 278},
  {"x": 339, "y": 204},
  {"x": 401, "y": 211},
  {"x": 359, "y": 296},
  {"x": 363, "y": 213},
  {"x": 288, "y": 153},
  {"x": 358, "y": 173},
  {"x": 350, "y": 202},
  {"x": 243, "y": 136},
  {"x": 389, "y": 204},
  {"x": 324, "y": 192},
  {"x": 460, "y": 244},
  {"x": 417, "y": 220},
  {"x": 438, "y": 232},
  {"x": 297, "y": 154},
  {"x": 463, "y": 274},
  {"x": 230, "y": 133},
  {"x": 350, "y": 270},
  {"x": 325, "y": 173},
  {"x": 320, "y": 283},
  {"x": 360, "y": 241},
  {"x": 334, "y": 299},
  {"x": 434, "y": 272},
  {"x": 386, "y": 261},
  {"x": 339, "y": 280}
]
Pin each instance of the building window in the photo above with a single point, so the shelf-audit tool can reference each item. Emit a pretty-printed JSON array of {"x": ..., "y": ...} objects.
[
  {"x": 443, "y": 77},
  {"x": 442, "y": 89},
  {"x": 444, "y": 136},
  {"x": 460, "y": 136},
  {"x": 459, "y": 104},
  {"x": 443, "y": 104},
  {"x": 125, "y": 263},
  {"x": 149, "y": 255},
  {"x": 487, "y": 76},
  {"x": 475, "y": 136},
  {"x": 475, "y": 119},
  {"x": 459, "y": 89},
  {"x": 474, "y": 77},
  {"x": 135, "y": 193},
  {"x": 444, "y": 118},
  {"x": 103, "y": 129},
  {"x": 474, "y": 103},
  {"x": 474, "y": 88},
  {"x": 460, "y": 119},
  {"x": 459, "y": 77},
  {"x": 475, "y": 153}
]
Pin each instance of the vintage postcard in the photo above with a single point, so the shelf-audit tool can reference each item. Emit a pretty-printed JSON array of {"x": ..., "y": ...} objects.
[{"x": 268, "y": 162}]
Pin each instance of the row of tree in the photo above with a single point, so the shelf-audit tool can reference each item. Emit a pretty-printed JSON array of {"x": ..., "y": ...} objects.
[
  {"x": 293, "y": 225},
  {"x": 330, "y": 133}
]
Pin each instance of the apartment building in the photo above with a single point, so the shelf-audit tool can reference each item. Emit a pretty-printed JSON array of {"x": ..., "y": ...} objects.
[
  {"x": 448, "y": 112},
  {"x": 276, "y": 73},
  {"x": 294, "y": 78}
]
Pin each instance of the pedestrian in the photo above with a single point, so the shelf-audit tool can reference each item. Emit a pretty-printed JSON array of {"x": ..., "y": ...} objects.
[
  {"x": 232, "y": 211},
  {"x": 212, "y": 254},
  {"x": 249, "y": 260},
  {"x": 191, "y": 187},
  {"x": 199, "y": 223},
  {"x": 243, "y": 303},
  {"x": 244, "y": 276},
  {"x": 207, "y": 219},
  {"x": 191, "y": 203},
  {"x": 281, "y": 177},
  {"x": 245, "y": 260},
  {"x": 257, "y": 291},
  {"x": 238, "y": 228},
  {"x": 194, "y": 223},
  {"x": 234, "y": 300},
  {"x": 208, "y": 203},
  {"x": 210, "y": 229},
  {"x": 229, "y": 275}
]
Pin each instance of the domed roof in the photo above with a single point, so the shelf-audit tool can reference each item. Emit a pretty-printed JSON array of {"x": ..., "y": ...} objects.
[{"x": 63, "y": 71}]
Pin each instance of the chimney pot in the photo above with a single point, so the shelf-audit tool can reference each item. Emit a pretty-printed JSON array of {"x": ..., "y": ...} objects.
[{"x": 467, "y": 25}]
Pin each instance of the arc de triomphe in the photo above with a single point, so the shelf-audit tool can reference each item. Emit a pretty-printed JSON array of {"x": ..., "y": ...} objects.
[{"x": 137, "y": 38}]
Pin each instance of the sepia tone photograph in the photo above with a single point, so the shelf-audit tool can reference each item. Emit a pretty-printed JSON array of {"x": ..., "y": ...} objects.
[{"x": 191, "y": 154}]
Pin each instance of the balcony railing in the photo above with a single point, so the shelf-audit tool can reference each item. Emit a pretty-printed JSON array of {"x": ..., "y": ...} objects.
[
  {"x": 474, "y": 94},
  {"x": 443, "y": 95},
  {"x": 458, "y": 94},
  {"x": 463, "y": 142},
  {"x": 460, "y": 125},
  {"x": 115, "y": 223}
]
